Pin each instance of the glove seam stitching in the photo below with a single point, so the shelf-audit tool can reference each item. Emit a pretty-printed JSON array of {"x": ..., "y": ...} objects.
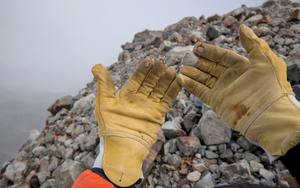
[{"x": 116, "y": 133}]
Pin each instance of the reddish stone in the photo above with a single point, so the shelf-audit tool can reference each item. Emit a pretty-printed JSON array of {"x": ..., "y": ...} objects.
[
  {"x": 229, "y": 20},
  {"x": 213, "y": 18},
  {"x": 64, "y": 102},
  {"x": 265, "y": 19},
  {"x": 211, "y": 161},
  {"x": 188, "y": 145},
  {"x": 187, "y": 125},
  {"x": 184, "y": 171},
  {"x": 188, "y": 42},
  {"x": 295, "y": 14},
  {"x": 149, "y": 160}
]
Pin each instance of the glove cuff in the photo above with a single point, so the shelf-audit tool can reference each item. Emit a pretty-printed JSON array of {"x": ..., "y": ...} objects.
[{"x": 277, "y": 128}]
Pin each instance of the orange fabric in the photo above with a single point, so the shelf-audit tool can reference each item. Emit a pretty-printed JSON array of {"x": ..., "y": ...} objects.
[
  {"x": 90, "y": 179},
  {"x": 296, "y": 181}
]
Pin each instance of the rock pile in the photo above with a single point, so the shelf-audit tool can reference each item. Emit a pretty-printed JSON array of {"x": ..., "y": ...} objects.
[{"x": 195, "y": 148}]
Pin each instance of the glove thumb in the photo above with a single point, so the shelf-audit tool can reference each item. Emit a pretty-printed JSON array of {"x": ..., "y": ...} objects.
[{"x": 105, "y": 84}]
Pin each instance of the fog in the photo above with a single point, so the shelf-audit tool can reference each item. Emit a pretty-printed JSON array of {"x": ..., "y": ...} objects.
[{"x": 47, "y": 49}]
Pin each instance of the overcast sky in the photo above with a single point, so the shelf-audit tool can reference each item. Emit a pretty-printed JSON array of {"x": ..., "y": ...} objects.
[{"x": 52, "y": 45}]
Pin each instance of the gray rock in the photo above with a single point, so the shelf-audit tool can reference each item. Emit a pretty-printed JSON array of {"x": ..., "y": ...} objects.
[
  {"x": 227, "y": 154},
  {"x": 77, "y": 97},
  {"x": 70, "y": 128},
  {"x": 170, "y": 146},
  {"x": 296, "y": 50},
  {"x": 48, "y": 184},
  {"x": 196, "y": 102},
  {"x": 146, "y": 34},
  {"x": 128, "y": 46},
  {"x": 212, "y": 33},
  {"x": 254, "y": 19},
  {"x": 190, "y": 59},
  {"x": 269, "y": 176},
  {"x": 37, "y": 151},
  {"x": 69, "y": 152},
  {"x": 42, "y": 176},
  {"x": 293, "y": 70},
  {"x": 171, "y": 129},
  {"x": 53, "y": 164},
  {"x": 173, "y": 159},
  {"x": 193, "y": 176},
  {"x": 177, "y": 52},
  {"x": 237, "y": 12},
  {"x": 92, "y": 140},
  {"x": 15, "y": 171},
  {"x": 207, "y": 181},
  {"x": 188, "y": 108},
  {"x": 44, "y": 163},
  {"x": 58, "y": 116},
  {"x": 34, "y": 134},
  {"x": 242, "y": 141},
  {"x": 213, "y": 129},
  {"x": 181, "y": 104},
  {"x": 267, "y": 183},
  {"x": 175, "y": 37},
  {"x": 81, "y": 104},
  {"x": 188, "y": 145},
  {"x": 296, "y": 90},
  {"x": 264, "y": 158},
  {"x": 49, "y": 138},
  {"x": 68, "y": 173},
  {"x": 164, "y": 180},
  {"x": 255, "y": 166},
  {"x": 201, "y": 167},
  {"x": 205, "y": 108},
  {"x": 211, "y": 155},
  {"x": 191, "y": 115},
  {"x": 250, "y": 157},
  {"x": 222, "y": 148},
  {"x": 237, "y": 173},
  {"x": 88, "y": 160},
  {"x": 165, "y": 46},
  {"x": 80, "y": 139}
]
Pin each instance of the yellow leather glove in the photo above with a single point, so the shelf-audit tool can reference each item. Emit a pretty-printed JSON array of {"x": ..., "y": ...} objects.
[
  {"x": 251, "y": 95},
  {"x": 130, "y": 119}
]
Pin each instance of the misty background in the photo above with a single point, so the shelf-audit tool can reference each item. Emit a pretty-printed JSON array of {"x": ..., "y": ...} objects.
[{"x": 47, "y": 49}]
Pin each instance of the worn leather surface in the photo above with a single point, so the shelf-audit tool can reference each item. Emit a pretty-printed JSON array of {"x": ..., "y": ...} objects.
[
  {"x": 130, "y": 119},
  {"x": 250, "y": 94}
]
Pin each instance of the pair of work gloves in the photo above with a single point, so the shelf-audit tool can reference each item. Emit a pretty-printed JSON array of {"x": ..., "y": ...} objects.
[{"x": 251, "y": 95}]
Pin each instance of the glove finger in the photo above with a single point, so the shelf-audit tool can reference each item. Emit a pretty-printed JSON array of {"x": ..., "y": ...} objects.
[
  {"x": 259, "y": 51},
  {"x": 151, "y": 80},
  {"x": 213, "y": 68},
  {"x": 105, "y": 84},
  {"x": 163, "y": 84},
  {"x": 171, "y": 94},
  {"x": 136, "y": 79},
  {"x": 194, "y": 87},
  {"x": 225, "y": 57},
  {"x": 199, "y": 76},
  {"x": 105, "y": 90}
]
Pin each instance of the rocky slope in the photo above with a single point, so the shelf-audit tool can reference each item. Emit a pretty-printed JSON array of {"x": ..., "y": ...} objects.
[{"x": 195, "y": 148}]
